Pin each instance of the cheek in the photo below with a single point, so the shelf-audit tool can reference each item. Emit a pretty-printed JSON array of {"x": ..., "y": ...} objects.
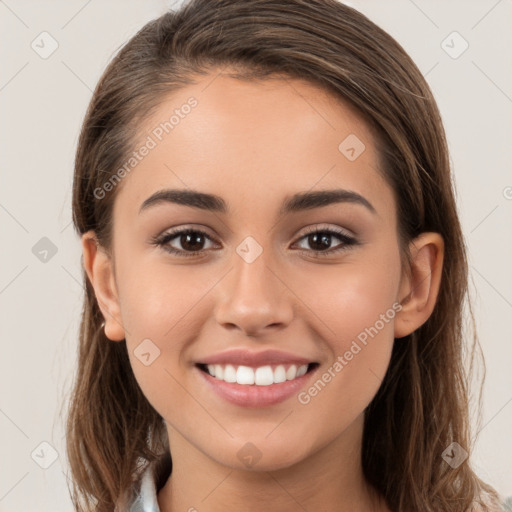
[
  {"x": 350, "y": 299},
  {"x": 163, "y": 310},
  {"x": 156, "y": 299},
  {"x": 358, "y": 306}
]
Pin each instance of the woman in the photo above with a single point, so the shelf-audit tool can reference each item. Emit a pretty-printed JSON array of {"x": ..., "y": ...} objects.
[{"x": 275, "y": 272}]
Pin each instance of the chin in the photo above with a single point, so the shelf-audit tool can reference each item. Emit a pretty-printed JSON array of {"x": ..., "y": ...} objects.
[{"x": 262, "y": 455}]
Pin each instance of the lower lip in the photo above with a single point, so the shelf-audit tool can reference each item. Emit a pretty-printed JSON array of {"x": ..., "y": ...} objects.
[{"x": 256, "y": 396}]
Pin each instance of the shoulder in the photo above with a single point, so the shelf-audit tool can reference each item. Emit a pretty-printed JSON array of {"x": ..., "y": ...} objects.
[
  {"x": 489, "y": 503},
  {"x": 143, "y": 495}
]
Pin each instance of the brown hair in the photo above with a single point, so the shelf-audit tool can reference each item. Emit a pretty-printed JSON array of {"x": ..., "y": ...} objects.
[{"x": 422, "y": 405}]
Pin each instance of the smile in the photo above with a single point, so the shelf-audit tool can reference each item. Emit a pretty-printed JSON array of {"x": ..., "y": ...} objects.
[
  {"x": 260, "y": 376},
  {"x": 256, "y": 387}
]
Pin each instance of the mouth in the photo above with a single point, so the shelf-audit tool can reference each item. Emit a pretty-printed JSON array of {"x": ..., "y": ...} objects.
[
  {"x": 266, "y": 375},
  {"x": 255, "y": 379}
]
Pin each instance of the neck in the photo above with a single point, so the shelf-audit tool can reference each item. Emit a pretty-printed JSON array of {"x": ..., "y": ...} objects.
[{"x": 330, "y": 479}]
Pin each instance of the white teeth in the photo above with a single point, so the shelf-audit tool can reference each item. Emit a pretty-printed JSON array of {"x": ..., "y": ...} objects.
[
  {"x": 291, "y": 373},
  {"x": 229, "y": 373},
  {"x": 264, "y": 376},
  {"x": 279, "y": 374},
  {"x": 261, "y": 376},
  {"x": 301, "y": 370},
  {"x": 245, "y": 375},
  {"x": 219, "y": 371}
]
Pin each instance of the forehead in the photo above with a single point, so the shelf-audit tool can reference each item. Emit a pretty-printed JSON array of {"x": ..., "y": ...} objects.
[{"x": 256, "y": 140}]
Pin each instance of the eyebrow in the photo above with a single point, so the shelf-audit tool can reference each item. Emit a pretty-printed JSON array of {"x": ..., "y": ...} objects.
[{"x": 296, "y": 203}]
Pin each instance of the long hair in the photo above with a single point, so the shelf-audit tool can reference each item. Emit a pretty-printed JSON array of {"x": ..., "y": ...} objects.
[{"x": 422, "y": 405}]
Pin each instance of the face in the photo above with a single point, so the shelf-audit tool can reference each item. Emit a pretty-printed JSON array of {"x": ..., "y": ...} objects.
[{"x": 260, "y": 280}]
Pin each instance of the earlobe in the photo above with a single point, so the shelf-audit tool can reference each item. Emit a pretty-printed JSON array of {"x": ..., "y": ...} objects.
[
  {"x": 420, "y": 287},
  {"x": 98, "y": 266}
]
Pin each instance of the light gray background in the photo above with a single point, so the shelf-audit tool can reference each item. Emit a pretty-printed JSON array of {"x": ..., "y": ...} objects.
[{"x": 43, "y": 102}]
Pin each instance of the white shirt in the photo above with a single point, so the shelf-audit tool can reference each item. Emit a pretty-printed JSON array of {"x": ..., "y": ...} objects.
[{"x": 143, "y": 496}]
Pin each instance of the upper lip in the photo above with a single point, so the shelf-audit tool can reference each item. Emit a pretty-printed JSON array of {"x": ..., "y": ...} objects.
[{"x": 244, "y": 357}]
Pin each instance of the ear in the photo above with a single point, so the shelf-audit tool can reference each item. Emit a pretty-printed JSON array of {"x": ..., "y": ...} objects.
[
  {"x": 99, "y": 267},
  {"x": 420, "y": 286}
]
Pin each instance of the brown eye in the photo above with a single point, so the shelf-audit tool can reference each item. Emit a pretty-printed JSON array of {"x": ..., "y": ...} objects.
[
  {"x": 190, "y": 241},
  {"x": 320, "y": 240}
]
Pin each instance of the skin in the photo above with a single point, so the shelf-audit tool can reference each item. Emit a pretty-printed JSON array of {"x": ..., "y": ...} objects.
[{"x": 254, "y": 144}]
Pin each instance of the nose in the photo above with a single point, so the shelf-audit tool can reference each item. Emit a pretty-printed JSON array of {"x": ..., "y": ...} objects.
[{"x": 254, "y": 299}]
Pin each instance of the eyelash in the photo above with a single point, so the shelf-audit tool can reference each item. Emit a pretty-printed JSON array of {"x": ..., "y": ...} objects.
[{"x": 163, "y": 240}]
